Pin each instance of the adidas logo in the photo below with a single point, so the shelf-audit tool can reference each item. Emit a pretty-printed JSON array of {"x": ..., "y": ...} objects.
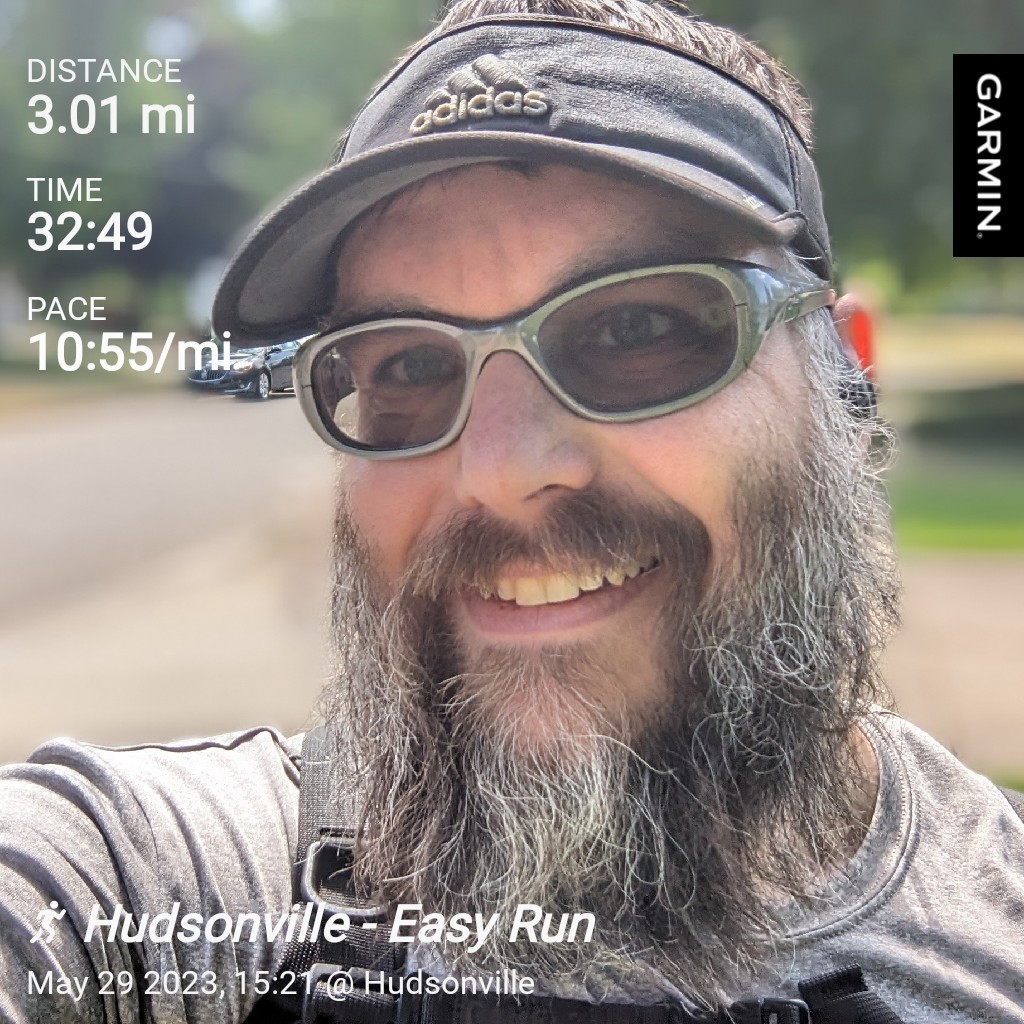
[{"x": 486, "y": 88}]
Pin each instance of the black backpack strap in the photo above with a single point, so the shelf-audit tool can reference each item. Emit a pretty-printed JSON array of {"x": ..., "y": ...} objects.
[
  {"x": 322, "y": 877},
  {"x": 842, "y": 997},
  {"x": 347, "y": 982},
  {"x": 397, "y": 1005}
]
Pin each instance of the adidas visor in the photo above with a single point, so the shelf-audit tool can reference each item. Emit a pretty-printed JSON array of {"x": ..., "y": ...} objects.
[{"x": 536, "y": 89}]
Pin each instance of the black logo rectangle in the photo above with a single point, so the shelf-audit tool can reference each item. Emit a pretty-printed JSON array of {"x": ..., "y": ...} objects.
[{"x": 988, "y": 154}]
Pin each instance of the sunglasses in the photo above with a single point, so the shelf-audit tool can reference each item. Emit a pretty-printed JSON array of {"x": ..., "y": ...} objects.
[{"x": 628, "y": 346}]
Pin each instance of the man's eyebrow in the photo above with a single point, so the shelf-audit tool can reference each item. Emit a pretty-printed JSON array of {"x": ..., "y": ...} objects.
[
  {"x": 673, "y": 246},
  {"x": 384, "y": 307}
]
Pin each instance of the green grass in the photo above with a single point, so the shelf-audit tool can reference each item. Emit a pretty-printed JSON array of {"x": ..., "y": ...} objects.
[
  {"x": 1009, "y": 781},
  {"x": 959, "y": 484},
  {"x": 949, "y": 504}
]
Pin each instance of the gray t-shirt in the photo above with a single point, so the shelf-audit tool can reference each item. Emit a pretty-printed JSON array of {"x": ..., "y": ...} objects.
[{"x": 931, "y": 906}]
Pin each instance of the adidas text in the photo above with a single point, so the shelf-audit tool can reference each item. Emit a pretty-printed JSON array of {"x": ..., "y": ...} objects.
[{"x": 465, "y": 106}]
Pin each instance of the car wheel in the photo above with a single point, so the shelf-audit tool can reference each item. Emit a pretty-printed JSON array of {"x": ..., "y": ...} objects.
[{"x": 262, "y": 386}]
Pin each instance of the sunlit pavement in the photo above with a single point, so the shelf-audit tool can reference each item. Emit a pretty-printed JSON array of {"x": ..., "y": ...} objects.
[{"x": 165, "y": 566}]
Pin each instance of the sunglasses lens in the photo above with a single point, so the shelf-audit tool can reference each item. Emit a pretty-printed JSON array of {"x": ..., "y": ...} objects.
[
  {"x": 642, "y": 343},
  {"x": 389, "y": 388},
  {"x": 629, "y": 346}
]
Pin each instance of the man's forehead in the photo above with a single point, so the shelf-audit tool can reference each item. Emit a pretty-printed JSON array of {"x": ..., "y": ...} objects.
[
  {"x": 689, "y": 222},
  {"x": 615, "y": 223}
]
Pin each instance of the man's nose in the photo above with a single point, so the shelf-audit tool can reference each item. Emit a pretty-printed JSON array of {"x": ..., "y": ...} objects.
[{"x": 521, "y": 448}]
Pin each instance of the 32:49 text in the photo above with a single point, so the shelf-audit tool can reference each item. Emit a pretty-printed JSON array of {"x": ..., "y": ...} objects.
[{"x": 138, "y": 225}]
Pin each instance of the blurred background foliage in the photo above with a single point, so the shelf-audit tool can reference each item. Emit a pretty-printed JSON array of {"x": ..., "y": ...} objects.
[
  {"x": 880, "y": 76},
  {"x": 275, "y": 82}
]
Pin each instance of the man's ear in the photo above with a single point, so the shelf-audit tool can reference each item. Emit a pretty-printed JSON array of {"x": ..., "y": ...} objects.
[{"x": 856, "y": 331}]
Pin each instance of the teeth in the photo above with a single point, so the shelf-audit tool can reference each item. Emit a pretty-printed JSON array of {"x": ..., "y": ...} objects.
[
  {"x": 553, "y": 588},
  {"x": 561, "y": 588},
  {"x": 531, "y": 591}
]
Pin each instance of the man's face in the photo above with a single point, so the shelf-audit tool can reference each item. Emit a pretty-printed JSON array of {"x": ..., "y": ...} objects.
[
  {"x": 484, "y": 245},
  {"x": 673, "y": 752}
]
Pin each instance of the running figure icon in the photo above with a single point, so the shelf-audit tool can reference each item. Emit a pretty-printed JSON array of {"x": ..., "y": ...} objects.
[{"x": 47, "y": 919}]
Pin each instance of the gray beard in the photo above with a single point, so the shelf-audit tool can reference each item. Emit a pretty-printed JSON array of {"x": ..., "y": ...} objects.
[{"x": 682, "y": 832}]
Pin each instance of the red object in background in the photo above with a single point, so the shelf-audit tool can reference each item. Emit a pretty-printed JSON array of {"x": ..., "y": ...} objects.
[{"x": 862, "y": 337}]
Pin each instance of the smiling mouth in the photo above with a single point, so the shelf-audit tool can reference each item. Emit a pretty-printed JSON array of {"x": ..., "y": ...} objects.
[{"x": 560, "y": 587}]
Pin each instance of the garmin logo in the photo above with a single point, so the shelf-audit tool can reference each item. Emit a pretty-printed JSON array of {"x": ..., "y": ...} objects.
[
  {"x": 990, "y": 141},
  {"x": 484, "y": 89},
  {"x": 988, "y": 158}
]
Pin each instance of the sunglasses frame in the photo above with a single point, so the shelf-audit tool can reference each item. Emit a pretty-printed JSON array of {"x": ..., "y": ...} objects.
[{"x": 763, "y": 299}]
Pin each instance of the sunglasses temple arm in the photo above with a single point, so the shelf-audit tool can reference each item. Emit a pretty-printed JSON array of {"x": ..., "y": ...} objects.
[{"x": 807, "y": 302}]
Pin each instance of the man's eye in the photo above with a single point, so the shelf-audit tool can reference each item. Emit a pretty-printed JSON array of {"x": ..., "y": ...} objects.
[
  {"x": 417, "y": 367},
  {"x": 630, "y": 328}
]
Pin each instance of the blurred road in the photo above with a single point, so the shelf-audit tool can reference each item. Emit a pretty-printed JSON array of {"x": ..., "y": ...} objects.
[
  {"x": 164, "y": 568},
  {"x": 164, "y": 573},
  {"x": 93, "y": 488}
]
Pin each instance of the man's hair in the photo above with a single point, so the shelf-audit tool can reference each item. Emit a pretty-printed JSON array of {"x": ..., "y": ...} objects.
[{"x": 670, "y": 23}]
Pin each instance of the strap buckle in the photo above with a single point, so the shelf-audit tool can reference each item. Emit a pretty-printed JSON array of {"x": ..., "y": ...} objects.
[
  {"x": 328, "y": 1004},
  {"x": 329, "y": 861},
  {"x": 352, "y": 995},
  {"x": 772, "y": 1011}
]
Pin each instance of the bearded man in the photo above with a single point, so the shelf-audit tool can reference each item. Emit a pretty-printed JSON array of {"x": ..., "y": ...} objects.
[{"x": 613, "y": 575}]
